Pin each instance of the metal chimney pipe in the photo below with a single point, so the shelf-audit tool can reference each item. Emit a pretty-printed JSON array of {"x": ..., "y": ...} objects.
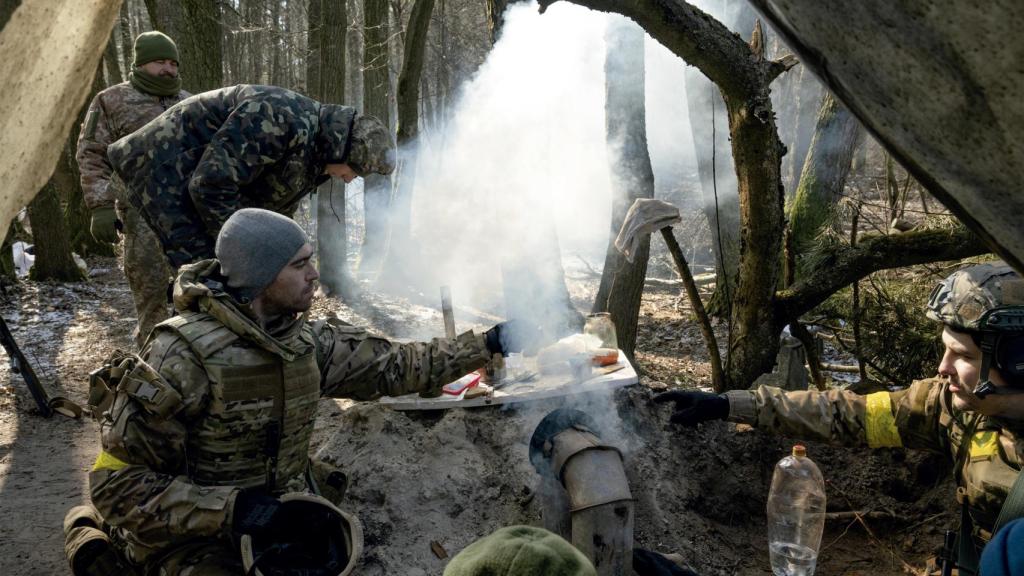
[{"x": 564, "y": 447}]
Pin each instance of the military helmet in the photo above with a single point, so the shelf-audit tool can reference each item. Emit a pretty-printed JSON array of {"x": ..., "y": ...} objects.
[
  {"x": 963, "y": 298},
  {"x": 372, "y": 149},
  {"x": 335, "y": 554}
]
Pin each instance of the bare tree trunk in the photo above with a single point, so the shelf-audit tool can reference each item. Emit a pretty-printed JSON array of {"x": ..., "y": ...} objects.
[
  {"x": 53, "y": 251},
  {"x": 836, "y": 137},
  {"x": 622, "y": 282},
  {"x": 709, "y": 125},
  {"x": 408, "y": 134},
  {"x": 314, "y": 21},
  {"x": 496, "y": 16},
  {"x": 111, "y": 60},
  {"x": 376, "y": 92},
  {"x": 331, "y": 229},
  {"x": 127, "y": 41},
  {"x": 201, "y": 46}
]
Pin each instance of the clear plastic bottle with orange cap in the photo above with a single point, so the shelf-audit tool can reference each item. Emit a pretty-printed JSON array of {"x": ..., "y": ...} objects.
[{"x": 796, "y": 515}]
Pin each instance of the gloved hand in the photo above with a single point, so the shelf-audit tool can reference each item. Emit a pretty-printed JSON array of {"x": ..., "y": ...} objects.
[
  {"x": 260, "y": 515},
  {"x": 647, "y": 563},
  {"x": 105, "y": 225},
  {"x": 693, "y": 407},
  {"x": 511, "y": 336},
  {"x": 254, "y": 513}
]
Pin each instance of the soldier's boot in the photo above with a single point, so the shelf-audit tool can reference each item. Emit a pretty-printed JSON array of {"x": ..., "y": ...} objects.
[{"x": 88, "y": 548}]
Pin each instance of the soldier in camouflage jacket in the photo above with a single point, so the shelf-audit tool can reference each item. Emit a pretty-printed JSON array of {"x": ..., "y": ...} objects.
[
  {"x": 215, "y": 423},
  {"x": 982, "y": 434},
  {"x": 238, "y": 147},
  {"x": 153, "y": 87}
]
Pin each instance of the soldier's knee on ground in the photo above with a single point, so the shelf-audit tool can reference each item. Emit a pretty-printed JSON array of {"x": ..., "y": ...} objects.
[{"x": 88, "y": 548}]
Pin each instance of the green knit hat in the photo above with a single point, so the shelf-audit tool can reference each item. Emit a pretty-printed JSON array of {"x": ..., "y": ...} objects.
[
  {"x": 520, "y": 551},
  {"x": 154, "y": 45}
]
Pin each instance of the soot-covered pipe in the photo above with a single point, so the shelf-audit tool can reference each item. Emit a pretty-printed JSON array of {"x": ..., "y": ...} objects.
[{"x": 565, "y": 450}]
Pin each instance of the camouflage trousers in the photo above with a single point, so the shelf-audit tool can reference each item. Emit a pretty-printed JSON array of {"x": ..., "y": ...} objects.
[
  {"x": 200, "y": 559},
  {"x": 147, "y": 270}
]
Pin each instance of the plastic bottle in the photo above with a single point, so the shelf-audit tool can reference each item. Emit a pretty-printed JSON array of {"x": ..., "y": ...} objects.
[{"x": 796, "y": 515}]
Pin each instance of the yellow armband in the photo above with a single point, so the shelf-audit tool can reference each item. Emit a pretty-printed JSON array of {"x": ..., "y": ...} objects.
[{"x": 881, "y": 425}]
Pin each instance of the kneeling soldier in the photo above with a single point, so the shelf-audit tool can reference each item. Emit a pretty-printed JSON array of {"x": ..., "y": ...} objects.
[{"x": 213, "y": 422}]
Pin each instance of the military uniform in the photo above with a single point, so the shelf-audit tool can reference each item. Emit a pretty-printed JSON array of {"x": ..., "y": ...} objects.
[
  {"x": 113, "y": 114},
  {"x": 987, "y": 452},
  {"x": 222, "y": 404},
  {"x": 217, "y": 152}
]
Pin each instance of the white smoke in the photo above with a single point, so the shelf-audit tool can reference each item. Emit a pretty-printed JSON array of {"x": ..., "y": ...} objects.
[{"x": 524, "y": 154}]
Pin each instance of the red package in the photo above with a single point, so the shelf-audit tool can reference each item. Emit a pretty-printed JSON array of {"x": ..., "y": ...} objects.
[{"x": 468, "y": 381}]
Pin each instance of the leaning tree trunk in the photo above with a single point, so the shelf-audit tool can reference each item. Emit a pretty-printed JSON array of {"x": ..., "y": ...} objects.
[
  {"x": 376, "y": 91},
  {"x": 836, "y": 137},
  {"x": 328, "y": 41},
  {"x": 408, "y": 138},
  {"x": 53, "y": 251},
  {"x": 622, "y": 282}
]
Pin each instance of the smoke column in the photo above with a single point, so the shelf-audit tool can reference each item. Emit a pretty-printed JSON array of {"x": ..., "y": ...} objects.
[{"x": 525, "y": 153}]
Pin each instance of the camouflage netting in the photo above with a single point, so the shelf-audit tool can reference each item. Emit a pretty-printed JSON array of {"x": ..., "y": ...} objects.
[
  {"x": 939, "y": 83},
  {"x": 42, "y": 90}
]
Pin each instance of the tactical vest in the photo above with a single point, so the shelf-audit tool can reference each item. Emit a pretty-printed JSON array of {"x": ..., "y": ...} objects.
[
  {"x": 259, "y": 419},
  {"x": 986, "y": 459}
]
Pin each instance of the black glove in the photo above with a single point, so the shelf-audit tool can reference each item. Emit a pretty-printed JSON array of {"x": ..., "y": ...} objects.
[
  {"x": 255, "y": 513},
  {"x": 647, "y": 563},
  {"x": 511, "y": 336},
  {"x": 694, "y": 407}
]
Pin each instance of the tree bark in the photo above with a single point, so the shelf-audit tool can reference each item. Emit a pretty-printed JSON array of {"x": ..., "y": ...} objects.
[
  {"x": 408, "y": 134},
  {"x": 331, "y": 229},
  {"x": 50, "y": 236},
  {"x": 111, "y": 60},
  {"x": 201, "y": 46},
  {"x": 496, "y": 17},
  {"x": 376, "y": 92},
  {"x": 127, "y": 41},
  {"x": 622, "y": 282},
  {"x": 836, "y": 137}
]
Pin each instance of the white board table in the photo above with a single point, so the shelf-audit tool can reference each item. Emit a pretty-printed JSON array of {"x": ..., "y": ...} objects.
[{"x": 543, "y": 386}]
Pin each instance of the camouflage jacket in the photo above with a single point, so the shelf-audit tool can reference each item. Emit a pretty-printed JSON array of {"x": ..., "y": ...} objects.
[
  {"x": 145, "y": 482},
  {"x": 921, "y": 416},
  {"x": 113, "y": 114},
  {"x": 219, "y": 151}
]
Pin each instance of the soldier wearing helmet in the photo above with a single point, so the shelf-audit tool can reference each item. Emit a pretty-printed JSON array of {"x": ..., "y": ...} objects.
[
  {"x": 241, "y": 147},
  {"x": 972, "y": 411}
]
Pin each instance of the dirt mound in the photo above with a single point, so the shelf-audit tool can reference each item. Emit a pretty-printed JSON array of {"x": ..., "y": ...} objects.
[{"x": 455, "y": 476}]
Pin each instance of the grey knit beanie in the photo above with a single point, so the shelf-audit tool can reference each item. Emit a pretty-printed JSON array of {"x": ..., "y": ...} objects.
[{"x": 253, "y": 246}]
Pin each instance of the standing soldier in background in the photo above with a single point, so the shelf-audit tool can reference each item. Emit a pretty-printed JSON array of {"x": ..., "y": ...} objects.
[
  {"x": 973, "y": 411},
  {"x": 152, "y": 87}
]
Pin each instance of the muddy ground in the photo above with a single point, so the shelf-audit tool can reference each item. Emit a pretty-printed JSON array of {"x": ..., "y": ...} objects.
[{"x": 455, "y": 476}]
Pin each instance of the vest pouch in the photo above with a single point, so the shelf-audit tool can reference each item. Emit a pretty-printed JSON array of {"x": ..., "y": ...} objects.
[{"x": 104, "y": 380}]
